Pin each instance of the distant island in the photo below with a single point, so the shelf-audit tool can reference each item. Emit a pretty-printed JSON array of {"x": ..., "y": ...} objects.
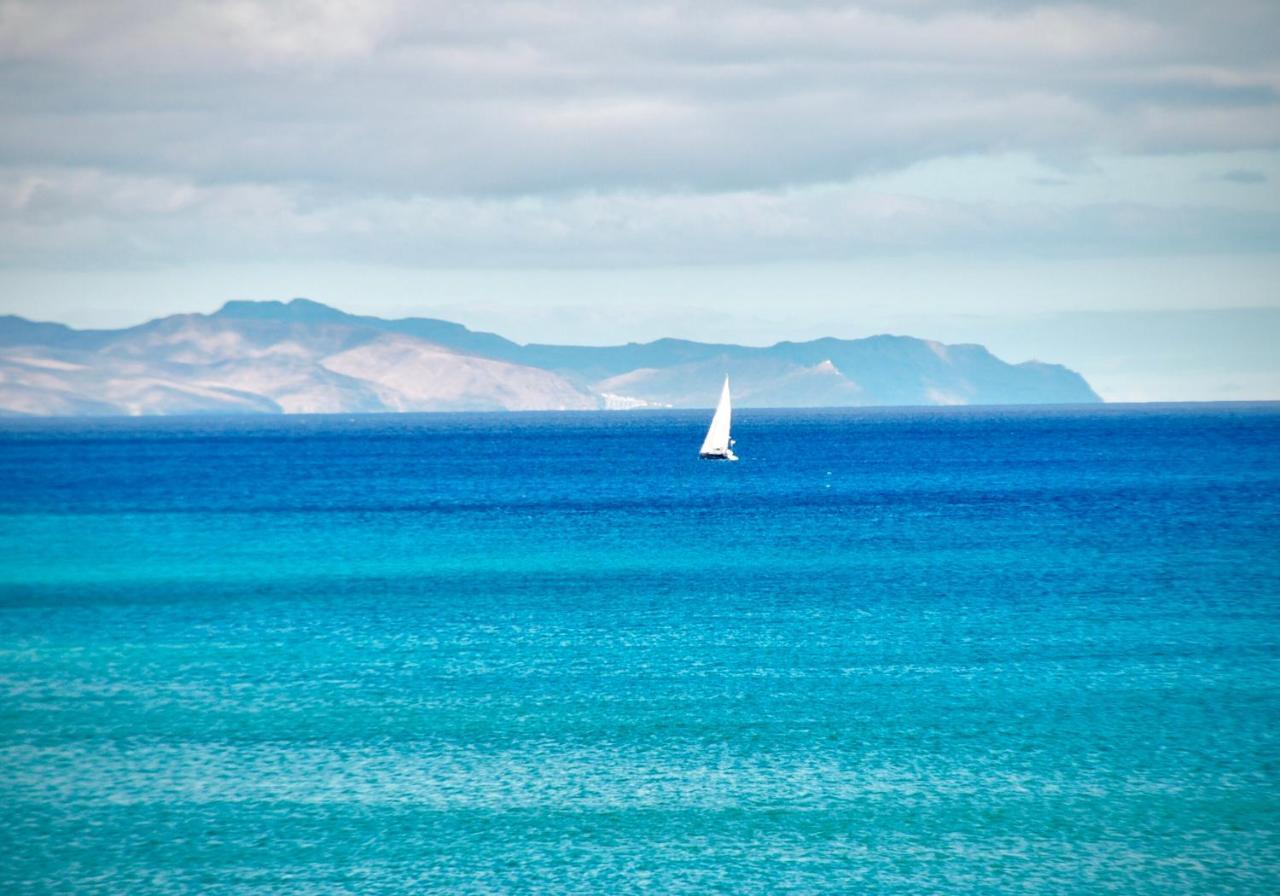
[{"x": 305, "y": 357}]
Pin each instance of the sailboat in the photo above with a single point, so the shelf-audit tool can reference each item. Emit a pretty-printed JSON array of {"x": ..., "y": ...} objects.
[{"x": 717, "y": 445}]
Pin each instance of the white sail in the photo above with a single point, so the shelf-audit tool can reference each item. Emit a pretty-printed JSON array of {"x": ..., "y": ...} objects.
[{"x": 717, "y": 440}]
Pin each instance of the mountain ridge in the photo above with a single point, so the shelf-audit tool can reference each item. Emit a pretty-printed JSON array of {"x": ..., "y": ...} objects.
[{"x": 303, "y": 356}]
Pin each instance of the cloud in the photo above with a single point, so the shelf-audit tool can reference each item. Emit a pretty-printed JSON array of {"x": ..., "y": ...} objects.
[
  {"x": 106, "y": 218},
  {"x": 515, "y": 98},
  {"x": 583, "y": 132},
  {"x": 1244, "y": 176}
]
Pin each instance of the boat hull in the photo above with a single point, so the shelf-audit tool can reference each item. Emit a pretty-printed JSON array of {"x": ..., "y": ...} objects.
[{"x": 728, "y": 455}]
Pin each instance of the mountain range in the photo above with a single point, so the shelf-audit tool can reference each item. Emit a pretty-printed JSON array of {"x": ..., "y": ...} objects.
[{"x": 306, "y": 357}]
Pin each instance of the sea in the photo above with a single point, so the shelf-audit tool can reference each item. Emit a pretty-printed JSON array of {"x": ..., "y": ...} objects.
[{"x": 890, "y": 651}]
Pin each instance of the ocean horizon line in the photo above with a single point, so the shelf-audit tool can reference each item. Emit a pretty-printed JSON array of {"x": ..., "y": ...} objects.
[{"x": 957, "y": 409}]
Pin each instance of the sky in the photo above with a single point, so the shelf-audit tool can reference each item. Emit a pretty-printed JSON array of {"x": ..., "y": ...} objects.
[{"x": 1091, "y": 183}]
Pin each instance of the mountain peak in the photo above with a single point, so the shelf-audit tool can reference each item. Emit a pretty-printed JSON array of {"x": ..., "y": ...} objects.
[{"x": 295, "y": 310}]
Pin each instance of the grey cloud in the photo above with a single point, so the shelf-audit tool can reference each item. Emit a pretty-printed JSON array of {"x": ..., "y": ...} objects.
[
  {"x": 1244, "y": 176},
  {"x": 577, "y": 133},
  {"x": 458, "y": 99}
]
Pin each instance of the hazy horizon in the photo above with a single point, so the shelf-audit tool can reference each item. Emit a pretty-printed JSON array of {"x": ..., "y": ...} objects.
[{"x": 1099, "y": 344}]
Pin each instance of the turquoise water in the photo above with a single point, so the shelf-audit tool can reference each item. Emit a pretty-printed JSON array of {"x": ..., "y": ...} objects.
[{"x": 960, "y": 651}]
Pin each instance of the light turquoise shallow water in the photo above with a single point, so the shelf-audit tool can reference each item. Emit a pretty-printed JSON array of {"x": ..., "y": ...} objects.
[{"x": 949, "y": 651}]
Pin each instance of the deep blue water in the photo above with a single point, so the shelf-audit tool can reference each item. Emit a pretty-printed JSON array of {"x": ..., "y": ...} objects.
[{"x": 925, "y": 651}]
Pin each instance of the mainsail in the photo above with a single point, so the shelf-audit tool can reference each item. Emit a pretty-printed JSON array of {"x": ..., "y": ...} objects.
[{"x": 717, "y": 440}]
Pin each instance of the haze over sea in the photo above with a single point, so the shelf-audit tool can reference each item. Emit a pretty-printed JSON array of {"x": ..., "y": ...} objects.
[{"x": 1025, "y": 650}]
